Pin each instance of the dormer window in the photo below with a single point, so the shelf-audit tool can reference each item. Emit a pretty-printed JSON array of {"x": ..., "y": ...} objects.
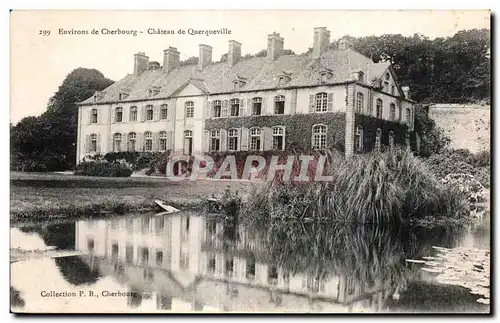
[
  {"x": 122, "y": 96},
  {"x": 283, "y": 79},
  {"x": 325, "y": 76},
  {"x": 153, "y": 91},
  {"x": 238, "y": 84}
]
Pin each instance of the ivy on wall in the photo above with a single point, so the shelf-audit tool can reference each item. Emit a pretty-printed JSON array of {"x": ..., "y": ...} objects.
[
  {"x": 370, "y": 125},
  {"x": 298, "y": 127}
]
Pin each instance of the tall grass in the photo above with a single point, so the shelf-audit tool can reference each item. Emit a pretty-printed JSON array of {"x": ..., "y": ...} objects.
[{"x": 374, "y": 188}]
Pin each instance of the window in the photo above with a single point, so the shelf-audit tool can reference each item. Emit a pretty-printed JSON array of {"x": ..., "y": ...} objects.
[
  {"x": 159, "y": 258},
  {"x": 117, "y": 142},
  {"x": 255, "y": 138},
  {"x": 319, "y": 136},
  {"x": 133, "y": 113},
  {"x": 145, "y": 225},
  {"x": 93, "y": 118},
  {"x": 144, "y": 255},
  {"x": 392, "y": 112},
  {"x": 189, "y": 109},
  {"x": 114, "y": 250},
  {"x": 408, "y": 116},
  {"x": 256, "y": 106},
  {"x": 360, "y": 100},
  {"x": 122, "y": 96},
  {"x": 148, "y": 141},
  {"x": 279, "y": 104},
  {"x": 387, "y": 76},
  {"x": 233, "y": 139},
  {"x": 211, "y": 264},
  {"x": 235, "y": 107},
  {"x": 359, "y": 138},
  {"x": 229, "y": 267},
  {"x": 379, "y": 108},
  {"x": 131, "y": 141},
  {"x": 250, "y": 270},
  {"x": 188, "y": 134},
  {"x": 129, "y": 254},
  {"x": 321, "y": 102},
  {"x": 93, "y": 143},
  {"x": 236, "y": 85},
  {"x": 216, "y": 109},
  {"x": 164, "y": 111},
  {"x": 325, "y": 76},
  {"x": 361, "y": 77},
  {"x": 184, "y": 259},
  {"x": 278, "y": 138},
  {"x": 119, "y": 115},
  {"x": 163, "y": 140},
  {"x": 149, "y": 112},
  {"x": 215, "y": 140},
  {"x": 393, "y": 89}
]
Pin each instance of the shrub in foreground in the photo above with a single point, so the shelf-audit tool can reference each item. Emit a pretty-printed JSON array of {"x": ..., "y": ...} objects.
[
  {"x": 372, "y": 188},
  {"x": 103, "y": 169}
]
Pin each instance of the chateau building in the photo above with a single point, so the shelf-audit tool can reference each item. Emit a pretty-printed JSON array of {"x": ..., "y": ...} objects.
[{"x": 311, "y": 101}]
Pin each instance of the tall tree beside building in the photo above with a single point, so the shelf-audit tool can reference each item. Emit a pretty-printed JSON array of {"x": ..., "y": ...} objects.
[
  {"x": 447, "y": 70},
  {"x": 48, "y": 142}
]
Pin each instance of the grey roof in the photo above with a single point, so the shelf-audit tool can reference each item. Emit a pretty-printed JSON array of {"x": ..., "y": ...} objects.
[{"x": 259, "y": 72}]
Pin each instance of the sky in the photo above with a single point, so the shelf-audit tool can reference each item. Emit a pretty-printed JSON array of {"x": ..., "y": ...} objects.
[{"x": 40, "y": 63}]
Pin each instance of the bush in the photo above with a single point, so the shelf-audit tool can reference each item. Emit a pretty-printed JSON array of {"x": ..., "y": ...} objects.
[
  {"x": 103, "y": 169},
  {"x": 370, "y": 188},
  {"x": 152, "y": 161}
]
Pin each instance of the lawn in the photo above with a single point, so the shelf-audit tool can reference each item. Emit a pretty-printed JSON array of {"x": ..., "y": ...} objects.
[{"x": 39, "y": 196}]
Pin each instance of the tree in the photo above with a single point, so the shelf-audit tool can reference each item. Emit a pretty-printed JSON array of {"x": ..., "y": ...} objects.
[
  {"x": 433, "y": 139},
  {"x": 48, "y": 142}
]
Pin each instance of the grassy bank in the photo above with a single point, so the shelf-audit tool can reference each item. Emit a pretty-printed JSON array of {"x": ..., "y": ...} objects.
[
  {"x": 371, "y": 188},
  {"x": 39, "y": 197}
]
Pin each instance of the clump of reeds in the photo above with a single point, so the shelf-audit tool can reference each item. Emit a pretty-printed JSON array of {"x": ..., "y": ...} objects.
[{"x": 373, "y": 188}]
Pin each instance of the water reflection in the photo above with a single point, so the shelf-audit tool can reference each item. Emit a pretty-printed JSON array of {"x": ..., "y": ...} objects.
[{"x": 191, "y": 262}]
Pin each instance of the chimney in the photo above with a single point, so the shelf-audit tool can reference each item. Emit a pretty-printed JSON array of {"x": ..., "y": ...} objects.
[
  {"x": 205, "y": 56},
  {"x": 344, "y": 43},
  {"x": 140, "y": 63},
  {"x": 234, "y": 53},
  {"x": 274, "y": 46},
  {"x": 406, "y": 91},
  {"x": 171, "y": 59},
  {"x": 321, "y": 41}
]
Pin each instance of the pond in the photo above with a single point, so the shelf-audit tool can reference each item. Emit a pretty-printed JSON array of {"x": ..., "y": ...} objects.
[{"x": 189, "y": 262}]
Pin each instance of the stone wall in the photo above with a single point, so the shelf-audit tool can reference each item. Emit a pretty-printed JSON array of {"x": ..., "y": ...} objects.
[{"x": 468, "y": 126}]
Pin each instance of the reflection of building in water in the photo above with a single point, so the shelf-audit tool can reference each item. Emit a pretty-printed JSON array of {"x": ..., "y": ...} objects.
[{"x": 183, "y": 257}]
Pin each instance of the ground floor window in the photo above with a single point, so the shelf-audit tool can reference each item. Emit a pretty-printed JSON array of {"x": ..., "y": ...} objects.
[
  {"x": 131, "y": 141},
  {"x": 93, "y": 143},
  {"x": 163, "y": 140},
  {"x": 148, "y": 141},
  {"x": 117, "y": 142},
  {"x": 278, "y": 138},
  {"x": 319, "y": 136},
  {"x": 233, "y": 139},
  {"x": 255, "y": 138}
]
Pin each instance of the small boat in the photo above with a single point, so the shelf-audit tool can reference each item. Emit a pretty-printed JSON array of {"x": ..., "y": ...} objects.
[{"x": 168, "y": 208}]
